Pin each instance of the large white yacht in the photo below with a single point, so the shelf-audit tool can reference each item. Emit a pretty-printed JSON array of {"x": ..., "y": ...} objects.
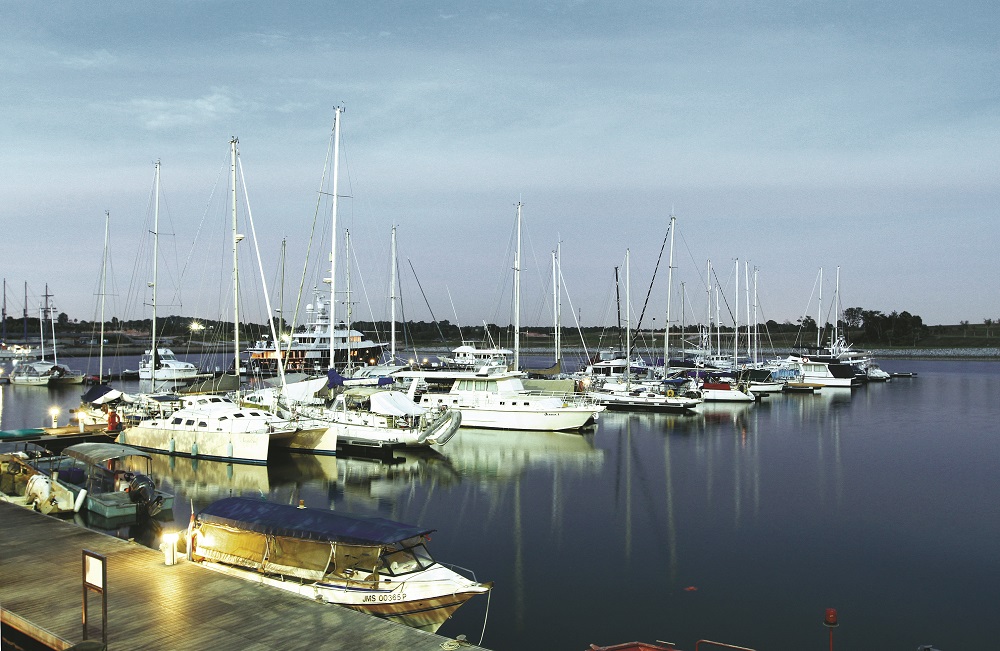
[{"x": 308, "y": 351}]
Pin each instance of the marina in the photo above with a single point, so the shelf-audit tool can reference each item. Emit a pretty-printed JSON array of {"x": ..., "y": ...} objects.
[{"x": 738, "y": 522}]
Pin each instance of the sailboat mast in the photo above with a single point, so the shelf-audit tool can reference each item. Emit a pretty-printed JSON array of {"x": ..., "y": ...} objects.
[
  {"x": 347, "y": 294},
  {"x": 628, "y": 321},
  {"x": 670, "y": 291},
  {"x": 517, "y": 293},
  {"x": 559, "y": 301},
  {"x": 819, "y": 312},
  {"x": 26, "y": 312},
  {"x": 333, "y": 234},
  {"x": 41, "y": 329},
  {"x": 392, "y": 300},
  {"x": 236, "y": 267},
  {"x": 104, "y": 276},
  {"x": 156, "y": 253},
  {"x": 836, "y": 312},
  {"x": 52, "y": 322},
  {"x": 5, "y": 310}
]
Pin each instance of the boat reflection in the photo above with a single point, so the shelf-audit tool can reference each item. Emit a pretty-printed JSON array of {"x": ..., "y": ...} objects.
[
  {"x": 205, "y": 481},
  {"x": 502, "y": 454}
]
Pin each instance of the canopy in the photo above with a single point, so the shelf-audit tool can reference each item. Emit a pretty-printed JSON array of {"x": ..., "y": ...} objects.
[
  {"x": 102, "y": 394},
  {"x": 98, "y": 453},
  {"x": 314, "y": 524}
]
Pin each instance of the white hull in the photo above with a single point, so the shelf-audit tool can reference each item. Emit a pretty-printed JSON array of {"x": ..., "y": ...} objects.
[
  {"x": 648, "y": 401},
  {"x": 522, "y": 419},
  {"x": 726, "y": 395},
  {"x": 238, "y": 447}
]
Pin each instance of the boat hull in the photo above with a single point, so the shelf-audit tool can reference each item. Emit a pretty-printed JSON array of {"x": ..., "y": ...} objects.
[
  {"x": 521, "y": 419},
  {"x": 223, "y": 446}
]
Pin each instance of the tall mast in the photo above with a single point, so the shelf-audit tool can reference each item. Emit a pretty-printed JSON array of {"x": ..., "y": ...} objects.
[
  {"x": 333, "y": 246},
  {"x": 517, "y": 293},
  {"x": 836, "y": 312},
  {"x": 628, "y": 321},
  {"x": 236, "y": 267},
  {"x": 670, "y": 291},
  {"x": 746, "y": 291},
  {"x": 25, "y": 312},
  {"x": 819, "y": 312},
  {"x": 392, "y": 300},
  {"x": 156, "y": 250},
  {"x": 52, "y": 322},
  {"x": 4, "y": 309},
  {"x": 736, "y": 318},
  {"x": 559, "y": 301},
  {"x": 41, "y": 329},
  {"x": 104, "y": 276},
  {"x": 347, "y": 296},
  {"x": 555, "y": 304}
]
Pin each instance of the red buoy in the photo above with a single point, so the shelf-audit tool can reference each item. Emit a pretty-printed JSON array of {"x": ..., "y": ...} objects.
[{"x": 831, "y": 617}]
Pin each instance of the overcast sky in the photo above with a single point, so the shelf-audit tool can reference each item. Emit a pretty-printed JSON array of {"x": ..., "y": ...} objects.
[{"x": 789, "y": 135}]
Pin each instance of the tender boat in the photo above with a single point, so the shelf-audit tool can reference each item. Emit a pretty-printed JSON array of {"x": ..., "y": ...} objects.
[
  {"x": 108, "y": 480},
  {"x": 494, "y": 397},
  {"x": 213, "y": 427},
  {"x": 370, "y": 564},
  {"x": 44, "y": 373},
  {"x": 652, "y": 396}
]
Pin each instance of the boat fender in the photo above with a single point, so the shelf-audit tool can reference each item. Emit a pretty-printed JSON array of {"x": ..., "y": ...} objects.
[
  {"x": 670, "y": 393},
  {"x": 80, "y": 497}
]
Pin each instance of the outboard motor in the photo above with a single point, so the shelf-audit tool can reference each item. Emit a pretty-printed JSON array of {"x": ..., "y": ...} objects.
[{"x": 141, "y": 490}]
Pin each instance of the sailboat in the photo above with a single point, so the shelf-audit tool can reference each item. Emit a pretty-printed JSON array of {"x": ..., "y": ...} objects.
[
  {"x": 357, "y": 412},
  {"x": 160, "y": 364},
  {"x": 655, "y": 395},
  {"x": 43, "y": 372},
  {"x": 213, "y": 426}
]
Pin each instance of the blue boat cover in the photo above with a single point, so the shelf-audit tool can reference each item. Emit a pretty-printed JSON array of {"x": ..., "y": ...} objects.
[{"x": 312, "y": 524}]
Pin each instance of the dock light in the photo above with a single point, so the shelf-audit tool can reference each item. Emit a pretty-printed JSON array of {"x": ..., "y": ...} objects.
[
  {"x": 54, "y": 414},
  {"x": 302, "y": 504},
  {"x": 79, "y": 421},
  {"x": 169, "y": 548}
]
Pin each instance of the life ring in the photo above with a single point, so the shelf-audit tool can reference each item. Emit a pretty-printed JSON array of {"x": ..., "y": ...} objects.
[{"x": 670, "y": 393}]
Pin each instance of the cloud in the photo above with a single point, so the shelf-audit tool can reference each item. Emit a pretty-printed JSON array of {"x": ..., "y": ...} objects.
[{"x": 159, "y": 114}]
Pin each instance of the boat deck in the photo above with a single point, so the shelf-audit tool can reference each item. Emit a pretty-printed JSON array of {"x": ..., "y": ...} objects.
[{"x": 152, "y": 605}]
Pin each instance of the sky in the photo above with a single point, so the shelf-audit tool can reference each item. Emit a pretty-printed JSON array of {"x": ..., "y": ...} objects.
[{"x": 787, "y": 137}]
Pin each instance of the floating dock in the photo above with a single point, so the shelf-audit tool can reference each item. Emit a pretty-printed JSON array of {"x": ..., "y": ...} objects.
[{"x": 152, "y": 605}]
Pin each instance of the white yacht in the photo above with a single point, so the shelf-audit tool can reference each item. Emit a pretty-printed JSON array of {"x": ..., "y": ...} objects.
[
  {"x": 213, "y": 427},
  {"x": 166, "y": 366},
  {"x": 494, "y": 397}
]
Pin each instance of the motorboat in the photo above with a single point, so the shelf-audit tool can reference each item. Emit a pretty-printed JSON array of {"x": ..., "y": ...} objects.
[
  {"x": 370, "y": 564},
  {"x": 470, "y": 356},
  {"x": 24, "y": 484},
  {"x": 495, "y": 398},
  {"x": 111, "y": 481},
  {"x": 164, "y": 365},
  {"x": 210, "y": 426},
  {"x": 645, "y": 396}
]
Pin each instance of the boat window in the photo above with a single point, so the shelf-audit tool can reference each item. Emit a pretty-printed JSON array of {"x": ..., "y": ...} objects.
[
  {"x": 239, "y": 414},
  {"x": 190, "y": 421},
  {"x": 177, "y": 421},
  {"x": 480, "y": 385},
  {"x": 217, "y": 400},
  {"x": 222, "y": 418},
  {"x": 202, "y": 423},
  {"x": 402, "y": 562},
  {"x": 202, "y": 401},
  {"x": 255, "y": 413}
]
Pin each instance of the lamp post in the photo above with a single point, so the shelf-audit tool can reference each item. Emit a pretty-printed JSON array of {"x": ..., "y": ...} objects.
[{"x": 54, "y": 414}]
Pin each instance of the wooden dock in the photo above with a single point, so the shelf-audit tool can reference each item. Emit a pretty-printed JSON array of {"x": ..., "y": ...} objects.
[{"x": 152, "y": 605}]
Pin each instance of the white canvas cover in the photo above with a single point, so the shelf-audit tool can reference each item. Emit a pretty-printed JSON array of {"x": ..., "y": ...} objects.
[{"x": 394, "y": 403}]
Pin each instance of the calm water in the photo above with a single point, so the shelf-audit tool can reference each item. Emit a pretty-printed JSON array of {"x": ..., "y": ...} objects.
[{"x": 739, "y": 524}]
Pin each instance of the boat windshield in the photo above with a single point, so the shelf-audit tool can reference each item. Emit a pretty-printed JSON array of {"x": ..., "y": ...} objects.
[{"x": 405, "y": 561}]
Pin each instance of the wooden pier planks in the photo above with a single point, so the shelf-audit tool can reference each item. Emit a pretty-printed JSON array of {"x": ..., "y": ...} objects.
[{"x": 155, "y": 606}]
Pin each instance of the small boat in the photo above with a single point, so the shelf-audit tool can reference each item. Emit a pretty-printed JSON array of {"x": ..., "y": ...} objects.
[
  {"x": 904, "y": 374},
  {"x": 108, "y": 480},
  {"x": 24, "y": 484},
  {"x": 370, "y": 564}
]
